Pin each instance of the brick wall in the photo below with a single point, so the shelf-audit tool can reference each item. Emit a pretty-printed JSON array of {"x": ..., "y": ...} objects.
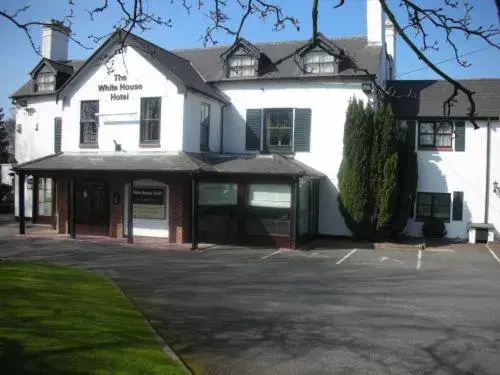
[
  {"x": 179, "y": 215},
  {"x": 116, "y": 211},
  {"x": 62, "y": 206}
]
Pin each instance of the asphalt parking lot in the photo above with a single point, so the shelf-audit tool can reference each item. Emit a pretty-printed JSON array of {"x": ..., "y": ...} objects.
[{"x": 260, "y": 311}]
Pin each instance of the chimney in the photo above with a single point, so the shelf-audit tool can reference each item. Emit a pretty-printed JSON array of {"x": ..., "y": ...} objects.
[
  {"x": 374, "y": 22},
  {"x": 390, "y": 41},
  {"x": 55, "y": 41}
]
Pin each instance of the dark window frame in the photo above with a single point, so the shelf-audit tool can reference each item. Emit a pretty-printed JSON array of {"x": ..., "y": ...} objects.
[
  {"x": 319, "y": 64},
  {"x": 237, "y": 71},
  {"x": 433, "y": 206},
  {"x": 48, "y": 86},
  {"x": 145, "y": 123},
  {"x": 89, "y": 128},
  {"x": 205, "y": 127},
  {"x": 435, "y": 134},
  {"x": 266, "y": 129}
]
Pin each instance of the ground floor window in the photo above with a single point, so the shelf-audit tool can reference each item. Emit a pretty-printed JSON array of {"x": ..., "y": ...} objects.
[
  {"x": 268, "y": 209},
  {"x": 45, "y": 197},
  {"x": 433, "y": 205},
  {"x": 217, "y": 194}
]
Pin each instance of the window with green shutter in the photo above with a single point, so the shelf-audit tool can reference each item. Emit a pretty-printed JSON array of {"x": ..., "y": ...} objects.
[
  {"x": 302, "y": 130},
  {"x": 253, "y": 129},
  {"x": 57, "y": 134},
  {"x": 458, "y": 205},
  {"x": 459, "y": 136}
]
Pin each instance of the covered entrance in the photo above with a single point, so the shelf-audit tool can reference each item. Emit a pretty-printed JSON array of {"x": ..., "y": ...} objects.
[{"x": 92, "y": 207}]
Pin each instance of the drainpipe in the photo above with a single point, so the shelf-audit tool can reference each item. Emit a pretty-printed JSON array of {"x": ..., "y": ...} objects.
[
  {"x": 222, "y": 127},
  {"x": 488, "y": 164}
]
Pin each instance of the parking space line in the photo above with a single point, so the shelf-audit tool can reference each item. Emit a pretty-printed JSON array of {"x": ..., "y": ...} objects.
[
  {"x": 493, "y": 254},
  {"x": 347, "y": 256},
  {"x": 419, "y": 259},
  {"x": 270, "y": 255}
]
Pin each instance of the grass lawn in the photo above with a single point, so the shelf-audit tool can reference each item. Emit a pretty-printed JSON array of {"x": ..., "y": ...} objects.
[{"x": 57, "y": 320}]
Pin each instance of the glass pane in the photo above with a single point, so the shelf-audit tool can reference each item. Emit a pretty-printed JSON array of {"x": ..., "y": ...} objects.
[
  {"x": 217, "y": 194},
  {"x": 424, "y": 211},
  {"x": 426, "y": 140},
  {"x": 88, "y": 110},
  {"x": 425, "y": 199},
  {"x": 443, "y": 128},
  {"x": 151, "y": 108},
  {"x": 267, "y": 195},
  {"x": 442, "y": 199},
  {"x": 427, "y": 127},
  {"x": 443, "y": 140}
]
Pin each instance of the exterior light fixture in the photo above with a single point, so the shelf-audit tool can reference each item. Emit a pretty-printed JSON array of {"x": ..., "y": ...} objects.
[
  {"x": 496, "y": 190},
  {"x": 367, "y": 87}
]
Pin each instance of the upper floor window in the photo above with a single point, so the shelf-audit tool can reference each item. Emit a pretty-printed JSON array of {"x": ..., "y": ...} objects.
[
  {"x": 241, "y": 65},
  {"x": 279, "y": 127},
  {"x": 205, "y": 127},
  {"x": 150, "y": 120},
  {"x": 316, "y": 62},
  {"x": 435, "y": 135},
  {"x": 89, "y": 122},
  {"x": 45, "y": 82}
]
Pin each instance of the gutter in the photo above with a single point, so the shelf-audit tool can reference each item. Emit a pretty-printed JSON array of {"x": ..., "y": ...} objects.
[{"x": 488, "y": 165}]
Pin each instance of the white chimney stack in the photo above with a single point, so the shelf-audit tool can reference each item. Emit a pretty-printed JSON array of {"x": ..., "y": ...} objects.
[
  {"x": 55, "y": 41},
  {"x": 375, "y": 22},
  {"x": 390, "y": 41}
]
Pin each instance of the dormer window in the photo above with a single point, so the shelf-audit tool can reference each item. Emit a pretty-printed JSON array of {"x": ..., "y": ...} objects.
[
  {"x": 318, "y": 62},
  {"x": 241, "y": 65},
  {"x": 45, "y": 82}
]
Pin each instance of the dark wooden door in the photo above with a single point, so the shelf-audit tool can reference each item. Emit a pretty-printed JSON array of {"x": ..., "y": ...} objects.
[{"x": 92, "y": 204}]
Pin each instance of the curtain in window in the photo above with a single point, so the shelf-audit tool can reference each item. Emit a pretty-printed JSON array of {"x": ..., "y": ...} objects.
[
  {"x": 269, "y": 195},
  {"x": 217, "y": 194}
]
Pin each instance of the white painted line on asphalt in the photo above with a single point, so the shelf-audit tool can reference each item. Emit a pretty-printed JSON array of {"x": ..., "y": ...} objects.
[
  {"x": 270, "y": 255},
  {"x": 441, "y": 250},
  {"x": 419, "y": 261},
  {"x": 493, "y": 254},
  {"x": 347, "y": 256}
]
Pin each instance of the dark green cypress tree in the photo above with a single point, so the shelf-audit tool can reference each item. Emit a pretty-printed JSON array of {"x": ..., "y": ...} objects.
[{"x": 355, "y": 195}]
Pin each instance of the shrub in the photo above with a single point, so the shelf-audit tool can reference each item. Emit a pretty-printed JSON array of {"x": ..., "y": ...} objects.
[{"x": 434, "y": 228}]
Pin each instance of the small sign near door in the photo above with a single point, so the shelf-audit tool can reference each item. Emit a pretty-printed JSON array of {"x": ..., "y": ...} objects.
[{"x": 149, "y": 203}]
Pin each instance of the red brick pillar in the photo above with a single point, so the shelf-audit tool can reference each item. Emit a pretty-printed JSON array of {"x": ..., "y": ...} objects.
[
  {"x": 178, "y": 220},
  {"x": 116, "y": 190},
  {"x": 62, "y": 206}
]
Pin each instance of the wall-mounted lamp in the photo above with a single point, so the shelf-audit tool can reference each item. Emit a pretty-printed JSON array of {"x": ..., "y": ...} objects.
[
  {"x": 367, "y": 87},
  {"x": 496, "y": 190}
]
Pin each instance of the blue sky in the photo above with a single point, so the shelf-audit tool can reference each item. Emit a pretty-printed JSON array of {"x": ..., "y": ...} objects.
[{"x": 18, "y": 58}]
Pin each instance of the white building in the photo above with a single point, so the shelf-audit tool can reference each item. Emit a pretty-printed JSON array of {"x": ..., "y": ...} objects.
[{"x": 219, "y": 144}]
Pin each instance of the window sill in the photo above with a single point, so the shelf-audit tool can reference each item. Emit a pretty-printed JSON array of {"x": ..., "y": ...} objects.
[
  {"x": 149, "y": 145},
  {"x": 89, "y": 145},
  {"x": 445, "y": 149}
]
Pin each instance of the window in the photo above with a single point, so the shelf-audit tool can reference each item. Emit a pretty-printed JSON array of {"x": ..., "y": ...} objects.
[
  {"x": 240, "y": 65},
  {"x": 269, "y": 195},
  {"x": 45, "y": 82},
  {"x": 316, "y": 62},
  {"x": 433, "y": 205},
  {"x": 89, "y": 125},
  {"x": 217, "y": 194},
  {"x": 205, "y": 127},
  {"x": 435, "y": 135},
  {"x": 150, "y": 120},
  {"x": 45, "y": 197},
  {"x": 279, "y": 127}
]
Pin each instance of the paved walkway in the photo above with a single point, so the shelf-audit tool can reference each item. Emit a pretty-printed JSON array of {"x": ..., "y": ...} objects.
[{"x": 256, "y": 311}]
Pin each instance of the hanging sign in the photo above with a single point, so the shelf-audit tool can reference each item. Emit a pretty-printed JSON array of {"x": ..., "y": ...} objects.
[{"x": 149, "y": 203}]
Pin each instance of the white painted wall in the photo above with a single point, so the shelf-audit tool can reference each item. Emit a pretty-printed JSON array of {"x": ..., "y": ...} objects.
[
  {"x": 192, "y": 122},
  {"x": 328, "y": 102},
  {"x": 449, "y": 171},
  {"x": 146, "y": 227},
  {"x": 121, "y": 121}
]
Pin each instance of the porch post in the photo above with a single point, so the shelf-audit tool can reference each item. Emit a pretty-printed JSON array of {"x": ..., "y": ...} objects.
[
  {"x": 194, "y": 212},
  {"x": 294, "y": 223},
  {"x": 53, "y": 203},
  {"x": 34, "y": 204},
  {"x": 72, "y": 208},
  {"x": 130, "y": 216},
  {"x": 22, "y": 219}
]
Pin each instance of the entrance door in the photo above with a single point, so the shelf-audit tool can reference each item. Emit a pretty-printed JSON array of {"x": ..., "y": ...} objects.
[{"x": 92, "y": 207}]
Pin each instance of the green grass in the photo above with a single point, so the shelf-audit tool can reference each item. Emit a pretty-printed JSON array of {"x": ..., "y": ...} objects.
[{"x": 56, "y": 320}]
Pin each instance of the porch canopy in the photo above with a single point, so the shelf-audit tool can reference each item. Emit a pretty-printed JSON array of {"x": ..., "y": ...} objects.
[{"x": 163, "y": 166}]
